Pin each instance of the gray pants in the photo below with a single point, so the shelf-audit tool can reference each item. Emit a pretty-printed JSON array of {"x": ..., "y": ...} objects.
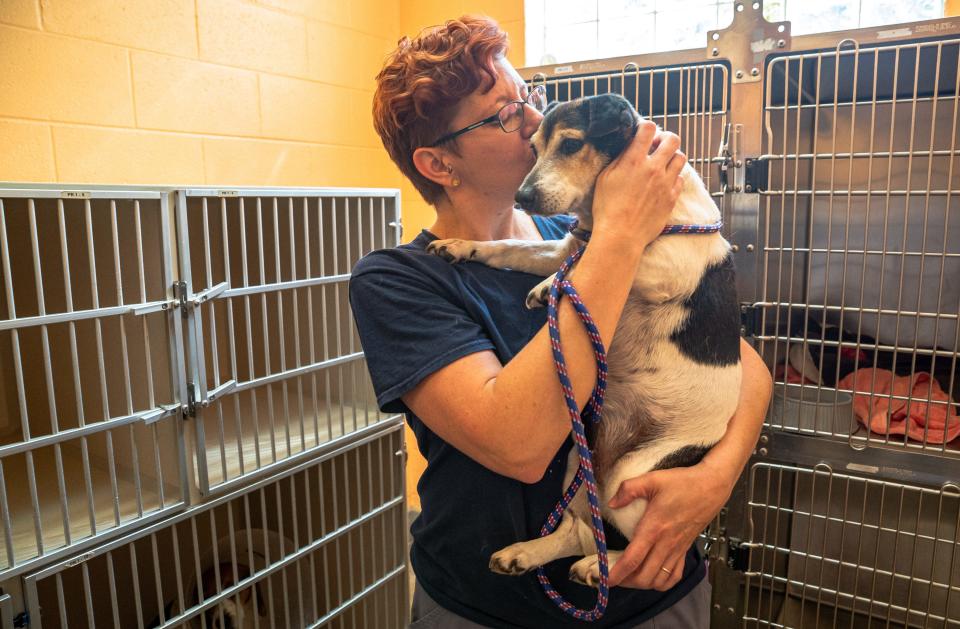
[{"x": 690, "y": 612}]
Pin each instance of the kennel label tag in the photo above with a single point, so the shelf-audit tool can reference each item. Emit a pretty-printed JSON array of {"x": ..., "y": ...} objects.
[
  {"x": 894, "y": 32},
  {"x": 563, "y": 70},
  {"x": 228, "y": 193},
  {"x": 866, "y": 469},
  {"x": 74, "y": 194}
]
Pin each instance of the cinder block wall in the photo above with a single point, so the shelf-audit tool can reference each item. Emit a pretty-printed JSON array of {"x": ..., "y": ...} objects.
[{"x": 230, "y": 92}]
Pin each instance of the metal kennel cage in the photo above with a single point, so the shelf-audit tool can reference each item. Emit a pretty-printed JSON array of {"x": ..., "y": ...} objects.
[
  {"x": 833, "y": 160},
  {"x": 182, "y": 382}
]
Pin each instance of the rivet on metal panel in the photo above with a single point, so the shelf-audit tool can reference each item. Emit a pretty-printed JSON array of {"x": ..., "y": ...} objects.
[
  {"x": 764, "y": 439},
  {"x": 731, "y": 610},
  {"x": 715, "y": 52},
  {"x": 762, "y": 452},
  {"x": 781, "y": 43},
  {"x": 749, "y": 247},
  {"x": 755, "y": 72},
  {"x": 734, "y": 248},
  {"x": 739, "y": 74}
]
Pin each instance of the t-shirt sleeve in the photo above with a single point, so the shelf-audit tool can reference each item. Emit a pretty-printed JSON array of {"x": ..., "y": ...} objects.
[{"x": 410, "y": 326}]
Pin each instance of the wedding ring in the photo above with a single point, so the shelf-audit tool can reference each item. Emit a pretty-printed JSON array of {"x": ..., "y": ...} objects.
[{"x": 665, "y": 570}]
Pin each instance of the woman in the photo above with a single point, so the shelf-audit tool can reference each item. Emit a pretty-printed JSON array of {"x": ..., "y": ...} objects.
[{"x": 454, "y": 348}]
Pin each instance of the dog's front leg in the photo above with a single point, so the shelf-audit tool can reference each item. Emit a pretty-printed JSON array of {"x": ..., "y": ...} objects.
[
  {"x": 525, "y": 556},
  {"x": 537, "y": 257}
]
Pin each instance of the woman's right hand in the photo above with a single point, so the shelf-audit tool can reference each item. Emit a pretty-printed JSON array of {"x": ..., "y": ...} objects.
[{"x": 635, "y": 193}]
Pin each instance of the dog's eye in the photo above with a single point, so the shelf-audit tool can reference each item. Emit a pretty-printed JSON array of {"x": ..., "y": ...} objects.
[{"x": 570, "y": 146}]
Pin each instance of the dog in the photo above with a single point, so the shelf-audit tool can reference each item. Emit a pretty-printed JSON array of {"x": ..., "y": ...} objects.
[{"x": 674, "y": 363}]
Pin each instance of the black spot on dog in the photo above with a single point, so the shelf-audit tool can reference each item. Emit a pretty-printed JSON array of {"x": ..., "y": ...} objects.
[
  {"x": 687, "y": 456},
  {"x": 709, "y": 335}
]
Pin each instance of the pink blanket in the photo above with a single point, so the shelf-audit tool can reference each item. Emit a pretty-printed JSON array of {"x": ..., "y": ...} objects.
[{"x": 935, "y": 422}]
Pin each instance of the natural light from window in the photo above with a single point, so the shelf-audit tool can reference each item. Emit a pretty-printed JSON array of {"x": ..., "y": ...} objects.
[{"x": 563, "y": 31}]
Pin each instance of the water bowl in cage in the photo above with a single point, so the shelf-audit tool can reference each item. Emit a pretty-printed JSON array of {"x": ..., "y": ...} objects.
[{"x": 809, "y": 409}]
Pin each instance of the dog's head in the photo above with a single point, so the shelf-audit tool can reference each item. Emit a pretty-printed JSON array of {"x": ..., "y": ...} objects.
[{"x": 575, "y": 141}]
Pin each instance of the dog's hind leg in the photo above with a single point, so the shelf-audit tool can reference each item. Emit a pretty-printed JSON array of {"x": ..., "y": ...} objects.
[
  {"x": 525, "y": 556},
  {"x": 587, "y": 570}
]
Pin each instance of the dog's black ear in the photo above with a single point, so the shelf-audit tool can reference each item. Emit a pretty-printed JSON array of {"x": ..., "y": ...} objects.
[
  {"x": 608, "y": 113},
  {"x": 550, "y": 107}
]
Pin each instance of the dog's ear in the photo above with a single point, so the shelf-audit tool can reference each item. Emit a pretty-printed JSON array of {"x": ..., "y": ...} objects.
[
  {"x": 608, "y": 113},
  {"x": 550, "y": 107}
]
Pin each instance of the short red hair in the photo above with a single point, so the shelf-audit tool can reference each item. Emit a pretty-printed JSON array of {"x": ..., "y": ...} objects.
[{"x": 422, "y": 82}]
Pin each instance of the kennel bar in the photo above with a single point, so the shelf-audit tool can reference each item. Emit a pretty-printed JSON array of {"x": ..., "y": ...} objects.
[
  {"x": 321, "y": 544},
  {"x": 90, "y": 441},
  {"x": 277, "y": 369}
]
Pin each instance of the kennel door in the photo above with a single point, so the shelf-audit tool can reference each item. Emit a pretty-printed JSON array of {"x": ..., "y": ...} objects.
[
  {"x": 321, "y": 544},
  {"x": 861, "y": 259},
  {"x": 276, "y": 365},
  {"x": 90, "y": 433}
]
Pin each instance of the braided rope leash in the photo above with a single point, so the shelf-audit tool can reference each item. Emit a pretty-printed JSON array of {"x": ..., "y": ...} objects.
[{"x": 593, "y": 412}]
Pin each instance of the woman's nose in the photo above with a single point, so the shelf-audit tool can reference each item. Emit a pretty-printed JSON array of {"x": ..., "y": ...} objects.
[{"x": 531, "y": 121}]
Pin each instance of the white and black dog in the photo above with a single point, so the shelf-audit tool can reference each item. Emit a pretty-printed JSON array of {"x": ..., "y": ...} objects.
[{"x": 674, "y": 363}]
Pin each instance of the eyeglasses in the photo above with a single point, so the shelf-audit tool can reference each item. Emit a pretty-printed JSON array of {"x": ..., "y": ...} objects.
[{"x": 510, "y": 116}]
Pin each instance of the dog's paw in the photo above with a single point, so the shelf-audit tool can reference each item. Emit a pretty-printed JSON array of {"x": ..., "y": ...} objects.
[
  {"x": 512, "y": 560},
  {"x": 453, "y": 249},
  {"x": 586, "y": 571},
  {"x": 540, "y": 294}
]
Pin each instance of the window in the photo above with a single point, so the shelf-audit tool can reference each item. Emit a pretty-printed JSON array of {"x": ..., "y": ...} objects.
[{"x": 561, "y": 31}]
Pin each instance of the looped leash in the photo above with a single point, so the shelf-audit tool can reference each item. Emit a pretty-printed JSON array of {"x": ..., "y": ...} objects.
[{"x": 593, "y": 412}]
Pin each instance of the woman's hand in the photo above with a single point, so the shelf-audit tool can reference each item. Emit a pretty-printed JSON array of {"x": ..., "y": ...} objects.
[
  {"x": 681, "y": 502},
  {"x": 636, "y": 193}
]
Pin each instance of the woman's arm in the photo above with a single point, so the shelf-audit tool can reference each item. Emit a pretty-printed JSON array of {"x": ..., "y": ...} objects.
[{"x": 682, "y": 501}]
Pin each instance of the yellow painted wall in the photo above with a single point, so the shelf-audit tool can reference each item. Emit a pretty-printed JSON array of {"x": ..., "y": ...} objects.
[{"x": 235, "y": 92}]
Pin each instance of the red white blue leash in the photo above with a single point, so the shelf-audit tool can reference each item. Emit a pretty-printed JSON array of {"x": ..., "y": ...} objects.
[{"x": 593, "y": 413}]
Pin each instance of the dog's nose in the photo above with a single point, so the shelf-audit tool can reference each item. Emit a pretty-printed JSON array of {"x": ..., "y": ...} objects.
[{"x": 526, "y": 197}]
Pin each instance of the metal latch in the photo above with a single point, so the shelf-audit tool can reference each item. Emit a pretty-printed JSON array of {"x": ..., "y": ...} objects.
[
  {"x": 180, "y": 292},
  {"x": 190, "y": 408},
  {"x": 726, "y": 159},
  {"x": 751, "y": 319},
  {"x": 738, "y": 555},
  {"x": 756, "y": 175},
  {"x": 208, "y": 294}
]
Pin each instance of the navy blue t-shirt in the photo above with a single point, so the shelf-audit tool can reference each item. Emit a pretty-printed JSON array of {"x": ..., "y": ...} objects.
[{"x": 417, "y": 313}]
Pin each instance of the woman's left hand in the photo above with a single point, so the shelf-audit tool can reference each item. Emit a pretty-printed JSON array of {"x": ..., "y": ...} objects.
[{"x": 681, "y": 502}]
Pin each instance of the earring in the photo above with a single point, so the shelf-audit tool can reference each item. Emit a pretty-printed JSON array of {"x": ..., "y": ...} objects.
[{"x": 455, "y": 182}]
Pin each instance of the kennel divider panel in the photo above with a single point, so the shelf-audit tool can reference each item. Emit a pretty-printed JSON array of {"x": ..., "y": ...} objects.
[
  {"x": 861, "y": 230},
  {"x": 91, "y": 442},
  {"x": 320, "y": 543},
  {"x": 277, "y": 363}
]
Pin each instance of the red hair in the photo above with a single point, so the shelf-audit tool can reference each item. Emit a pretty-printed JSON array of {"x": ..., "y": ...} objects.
[{"x": 424, "y": 79}]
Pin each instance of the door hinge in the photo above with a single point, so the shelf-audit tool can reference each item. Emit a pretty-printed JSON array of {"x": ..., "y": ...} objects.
[
  {"x": 756, "y": 174},
  {"x": 751, "y": 319}
]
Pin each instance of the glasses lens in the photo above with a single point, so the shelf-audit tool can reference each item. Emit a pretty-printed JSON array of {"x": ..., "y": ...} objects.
[
  {"x": 538, "y": 98},
  {"x": 511, "y": 116}
]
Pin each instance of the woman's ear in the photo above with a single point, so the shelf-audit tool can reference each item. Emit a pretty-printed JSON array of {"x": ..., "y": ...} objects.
[{"x": 429, "y": 162}]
